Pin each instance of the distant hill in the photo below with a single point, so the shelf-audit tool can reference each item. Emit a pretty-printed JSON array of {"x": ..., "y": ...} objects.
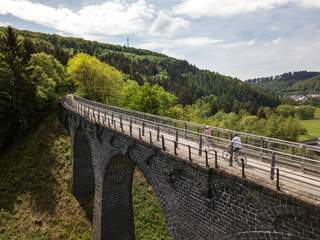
[
  {"x": 186, "y": 81},
  {"x": 288, "y": 84}
]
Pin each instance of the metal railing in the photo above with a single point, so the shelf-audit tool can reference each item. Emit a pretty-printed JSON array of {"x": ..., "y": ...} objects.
[{"x": 295, "y": 173}]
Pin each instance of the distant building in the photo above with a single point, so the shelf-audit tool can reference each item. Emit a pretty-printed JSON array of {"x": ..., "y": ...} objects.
[{"x": 298, "y": 97}]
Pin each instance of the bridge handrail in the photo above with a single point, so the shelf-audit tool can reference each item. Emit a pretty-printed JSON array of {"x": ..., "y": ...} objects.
[
  {"x": 93, "y": 111},
  {"x": 257, "y": 148},
  {"x": 256, "y": 137}
]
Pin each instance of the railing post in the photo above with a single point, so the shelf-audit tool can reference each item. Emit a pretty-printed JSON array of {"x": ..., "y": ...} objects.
[
  {"x": 143, "y": 125},
  {"x": 273, "y": 164},
  {"x": 150, "y": 135},
  {"x": 177, "y": 136},
  {"x": 292, "y": 152},
  {"x": 163, "y": 144},
  {"x": 185, "y": 130},
  {"x": 200, "y": 146},
  {"x": 112, "y": 118},
  {"x": 158, "y": 132},
  {"x": 121, "y": 124},
  {"x": 262, "y": 146},
  {"x": 303, "y": 152},
  {"x": 231, "y": 155},
  {"x": 216, "y": 159},
  {"x": 130, "y": 126},
  {"x": 175, "y": 148},
  {"x": 278, "y": 179},
  {"x": 207, "y": 160},
  {"x": 189, "y": 148},
  {"x": 140, "y": 133},
  {"x": 242, "y": 168}
]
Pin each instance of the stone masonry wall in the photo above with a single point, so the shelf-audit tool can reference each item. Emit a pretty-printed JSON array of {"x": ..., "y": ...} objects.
[{"x": 198, "y": 203}]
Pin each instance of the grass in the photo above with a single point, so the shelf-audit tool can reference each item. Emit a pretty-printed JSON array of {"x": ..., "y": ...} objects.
[
  {"x": 149, "y": 220},
  {"x": 312, "y": 127},
  {"x": 35, "y": 198}
]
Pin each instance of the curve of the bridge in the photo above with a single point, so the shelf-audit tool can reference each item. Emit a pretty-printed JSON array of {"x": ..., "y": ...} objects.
[
  {"x": 292, "y": 177},
  {"x": 295, "y": 176}
]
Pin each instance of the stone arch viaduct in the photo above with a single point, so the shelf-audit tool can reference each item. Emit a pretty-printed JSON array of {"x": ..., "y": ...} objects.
[{"x": 198, "y": 201}]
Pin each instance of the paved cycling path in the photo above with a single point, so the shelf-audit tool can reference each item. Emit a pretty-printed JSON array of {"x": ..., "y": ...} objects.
[{"x": 291, "y": 180}]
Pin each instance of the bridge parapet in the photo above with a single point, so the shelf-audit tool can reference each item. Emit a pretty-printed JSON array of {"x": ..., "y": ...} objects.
[{"x": 202, "y": 196}]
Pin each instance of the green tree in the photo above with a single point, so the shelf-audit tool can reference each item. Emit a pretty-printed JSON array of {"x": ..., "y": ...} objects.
[
  {"x": 96, "y": 80},
  {"x": 6, "y": 103},
  {"x": 28, "y": 50},
  {"x": 305, "y": 112},
  {"x": 18, "y": 90},
  {"x": 47, "y": 74},
  {"x": 130, "y": 95},
  {"x": 147, "y": 98},
  {"x": 317, "y": 113},
  {"x": 286, "y": 110}
]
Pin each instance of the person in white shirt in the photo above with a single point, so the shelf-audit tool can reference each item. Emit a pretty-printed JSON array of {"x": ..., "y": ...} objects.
[{"x": 236, "y": 144}]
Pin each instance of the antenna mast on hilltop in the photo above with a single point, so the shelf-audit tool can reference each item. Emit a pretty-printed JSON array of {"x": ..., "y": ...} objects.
[{"x": 128, "y": 41}]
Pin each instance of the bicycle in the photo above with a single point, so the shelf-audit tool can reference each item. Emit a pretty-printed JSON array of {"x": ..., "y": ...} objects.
[
  {"x": 207, "y": 144},
  {"x": 237, "y": 157}
]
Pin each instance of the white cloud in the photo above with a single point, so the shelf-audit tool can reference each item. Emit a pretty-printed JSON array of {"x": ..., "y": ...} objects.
[
  {"x": 5, "y": 24},
  {"x": 308, "y": 3},
  {"x": 276, "y": 41},
  {"x": 197, "y": 41},
  {"x": 191, "y": 42},
  {"x": 196, "y": 8},
  {"x": 172, "y": 53},
  {"x": 209, "y": 8},
  {"x": 114, "y": 17},
  {"x": 252, "y": 42},
  {"x": 166, "y": 24}
]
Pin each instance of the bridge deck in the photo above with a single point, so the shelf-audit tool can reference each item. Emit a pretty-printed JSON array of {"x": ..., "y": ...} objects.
[{"x": 185, "y": 144}]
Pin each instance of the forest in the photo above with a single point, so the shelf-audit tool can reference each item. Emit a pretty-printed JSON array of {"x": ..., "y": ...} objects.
[
  {"x": 291, "y": 83},
  {"x": 36, "y": 69}
]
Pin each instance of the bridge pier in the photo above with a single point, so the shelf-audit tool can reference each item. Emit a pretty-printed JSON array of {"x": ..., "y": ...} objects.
[
  {"x": 113, "y": 202},
  {"x": 82, "y": 168}
]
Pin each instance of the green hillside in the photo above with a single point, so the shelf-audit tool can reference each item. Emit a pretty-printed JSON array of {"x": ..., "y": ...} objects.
[
  {"x": 35, "y": 198},
  {"x": 184, "y": 80},
  {"x": 296, "y": 83}
]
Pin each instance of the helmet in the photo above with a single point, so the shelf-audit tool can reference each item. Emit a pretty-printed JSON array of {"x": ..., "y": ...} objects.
[{"x": 206, "y": 127}]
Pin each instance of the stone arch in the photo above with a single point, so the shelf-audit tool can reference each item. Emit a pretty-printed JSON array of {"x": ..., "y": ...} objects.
[
  {"x": 83, "y": 184},
  {"x": 117, "y": 210},
  {"x": 117, "y": 215}
]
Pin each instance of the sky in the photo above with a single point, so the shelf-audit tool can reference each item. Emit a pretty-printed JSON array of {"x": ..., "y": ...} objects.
[{"x": 240, "y": 38}]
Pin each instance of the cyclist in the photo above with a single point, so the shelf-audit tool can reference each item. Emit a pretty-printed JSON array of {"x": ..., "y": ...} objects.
[
  {"x": 207, "y": 134},
  {"x": 236, "y": 144}
]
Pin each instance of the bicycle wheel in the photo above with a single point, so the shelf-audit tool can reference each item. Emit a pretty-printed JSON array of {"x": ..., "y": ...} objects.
[
  {"x": 241, "y": 157},
  {"x": 226, "y": 155},
  {"x": 210, "y": 146}
]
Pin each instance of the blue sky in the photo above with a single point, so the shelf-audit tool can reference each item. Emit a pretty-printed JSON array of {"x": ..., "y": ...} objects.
[{"x": 241, "y": 38}]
